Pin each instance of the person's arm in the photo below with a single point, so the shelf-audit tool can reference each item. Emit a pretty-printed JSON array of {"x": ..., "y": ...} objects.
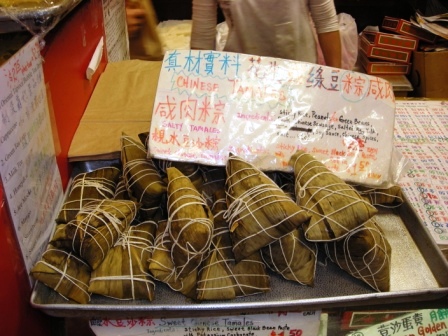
[
  {"x": 323, "y": 13},
  {"x": 204, "y": 21},
  {"x": 135, "y": 17},
  {"x": 330, "y": 43}
]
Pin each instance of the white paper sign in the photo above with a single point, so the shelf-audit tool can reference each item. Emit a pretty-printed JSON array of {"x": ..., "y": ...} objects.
[
  {"x": 28, "y": 169},
  {"x": 423, "y": 322},
  {"x": 115, "y": 30},
  {"x": 209, "y": 104},
  {"x": 421, "y": 129},
  {"x": 274, "y": 324}
]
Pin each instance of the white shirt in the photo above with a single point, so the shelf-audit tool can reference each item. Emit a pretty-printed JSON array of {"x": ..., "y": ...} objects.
[{"x": 275, "y": 28}]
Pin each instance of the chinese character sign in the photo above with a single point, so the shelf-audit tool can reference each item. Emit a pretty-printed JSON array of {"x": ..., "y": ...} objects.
[
  {"x": 209, "y": 104},
  {"x": 419, "y": 323},
  {"x": 28, "y": 169}
]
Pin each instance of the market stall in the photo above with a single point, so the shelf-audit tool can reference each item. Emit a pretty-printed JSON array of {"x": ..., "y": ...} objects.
[{"x": 260, "y": 110}]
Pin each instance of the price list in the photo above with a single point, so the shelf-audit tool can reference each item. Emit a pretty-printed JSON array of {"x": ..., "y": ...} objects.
[
  {"x": 421, "y": 129},
  {"x": 28, "y": 169}
]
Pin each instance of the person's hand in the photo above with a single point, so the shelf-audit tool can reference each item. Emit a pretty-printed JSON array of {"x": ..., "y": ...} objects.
[{"x": 135, "y": 18}]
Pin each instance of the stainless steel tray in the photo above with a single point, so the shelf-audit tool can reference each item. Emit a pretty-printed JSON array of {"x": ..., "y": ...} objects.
[
  {"x": 37, "y": 17},
  {"x": 419, "y": 273}
]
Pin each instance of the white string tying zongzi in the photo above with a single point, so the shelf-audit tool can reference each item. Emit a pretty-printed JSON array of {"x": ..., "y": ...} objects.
[
  {"x": 336, "y": 207},
  {"x": 259, "y": 210},
  {"x": 162, "y": 244},
  {"x": 243, "y": 283},
  {"x": 259, "y": 196},
  {"x": 97, "y": 216},
  {"x": 141, "y": 177},
  {"x": 374, "y": 262},
  {"x": 191, "y": 253},
  {"x": 133, "y": 240},
  {"x": 64, "y": 272},
  {"x": 88, "y": 187},
  {"x": 295, "y": 254}
]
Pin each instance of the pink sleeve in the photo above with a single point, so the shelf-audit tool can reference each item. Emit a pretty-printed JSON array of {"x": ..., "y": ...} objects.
[
  {"x": 324, "y": 15},
  {"x": 204, "y": 21}
]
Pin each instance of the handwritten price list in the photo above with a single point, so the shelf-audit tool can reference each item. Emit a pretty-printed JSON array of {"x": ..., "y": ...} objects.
[
  {"x": 273, "y": 324},
  {"x": 421, "y": 129},
  {"x": 27, "y": 159}
]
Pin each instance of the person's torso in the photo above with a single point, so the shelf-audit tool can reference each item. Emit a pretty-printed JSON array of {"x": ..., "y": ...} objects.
[{"x": 270, "y": 28}]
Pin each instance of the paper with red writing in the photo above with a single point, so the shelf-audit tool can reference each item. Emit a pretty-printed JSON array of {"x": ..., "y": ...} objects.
[
  {"x": 271, "y": 324},
  {"x": 28, "y": 168},
  {"x": 209, "y": 104},
  {"x": 421, "y": 129}
]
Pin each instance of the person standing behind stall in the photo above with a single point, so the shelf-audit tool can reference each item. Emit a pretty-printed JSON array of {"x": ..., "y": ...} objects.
[
  {"x": 281, "y": 28},
  {"x": 144, "y": 40}
]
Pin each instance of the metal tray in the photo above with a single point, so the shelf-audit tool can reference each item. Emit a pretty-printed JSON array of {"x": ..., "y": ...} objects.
[
  {"x": 418, "y": 273},
  {"x": 36, "y": 18}
]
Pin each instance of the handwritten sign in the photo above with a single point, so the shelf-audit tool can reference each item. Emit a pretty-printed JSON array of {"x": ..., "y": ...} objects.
[
  {"x": 114, "y": 13},
  {"x": 421, "y": 129},
  {"x": 419, "y": 323},
  {"x": 209, "y": 104},
  {"x": 28, "y": 167},
  {"x": 274, "y": 324}
]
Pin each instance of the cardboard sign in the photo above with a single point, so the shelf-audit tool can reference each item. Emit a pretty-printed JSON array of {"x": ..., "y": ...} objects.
[{"x": 209, "y": 104}]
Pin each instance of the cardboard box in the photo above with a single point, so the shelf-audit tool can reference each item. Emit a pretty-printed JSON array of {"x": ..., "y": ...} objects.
[
  {"x": 391, "y": 41},
  {"x": 384, "y": 53},
  {"x": 429, "y": 74},
  {"x": 400, "y": 84},
  {"x": 404, "y": 27},
  {"x": 373, "y": 67}
]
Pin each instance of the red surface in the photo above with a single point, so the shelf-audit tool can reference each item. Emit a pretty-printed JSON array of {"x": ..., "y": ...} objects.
[
  {"x": 69, "y": 48},
  {"x": 17, "y": 315}
]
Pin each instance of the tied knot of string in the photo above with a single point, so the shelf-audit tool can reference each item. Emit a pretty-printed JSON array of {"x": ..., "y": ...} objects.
[
  {"x": 100, "y": 186},
  {"x": 235, "y": 208},
  {"x": 124, "y": 241},
  {"x": 301, "y": 188}
]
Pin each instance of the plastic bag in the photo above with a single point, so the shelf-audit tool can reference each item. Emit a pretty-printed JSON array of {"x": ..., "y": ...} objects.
[{"x": 349, "y": 40}]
